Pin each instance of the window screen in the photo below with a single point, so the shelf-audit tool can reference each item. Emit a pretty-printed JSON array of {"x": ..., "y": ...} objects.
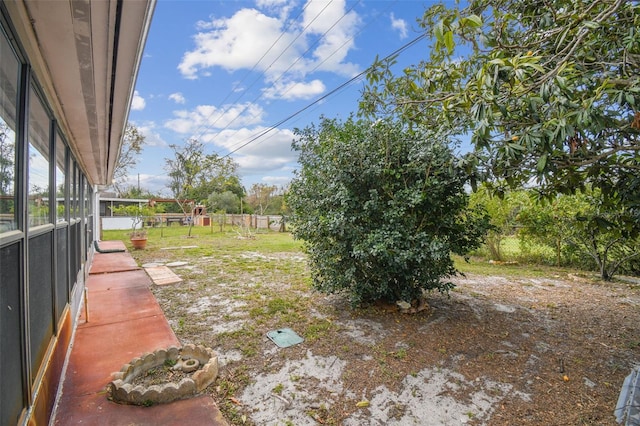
[
  {"x": 38, "y": 179},
  {"x": 9, "y": 77}
]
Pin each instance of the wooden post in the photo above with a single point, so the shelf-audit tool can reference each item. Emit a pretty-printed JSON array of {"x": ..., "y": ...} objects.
[{"x": 86, "y": 306}]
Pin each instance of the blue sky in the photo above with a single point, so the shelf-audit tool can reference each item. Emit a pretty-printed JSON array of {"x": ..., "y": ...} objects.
[{"x": 223, "y": 72}]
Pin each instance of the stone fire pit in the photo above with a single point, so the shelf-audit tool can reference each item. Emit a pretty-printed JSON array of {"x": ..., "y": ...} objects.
[{"x": 203, "y": 362}]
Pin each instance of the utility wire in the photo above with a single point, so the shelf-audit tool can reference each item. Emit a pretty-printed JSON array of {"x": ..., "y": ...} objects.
[
  {"x": 333, "y": 53},
  {"x": 204, "y": 127},
  {"x": 389, "y": 4},
  {"x": 320, "y": 99},
  {"x": 281, "y": 76},
  {"x": 342, "y": 45}
]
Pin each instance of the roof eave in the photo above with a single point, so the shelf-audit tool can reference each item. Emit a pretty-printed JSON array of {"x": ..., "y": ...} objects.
[{"x": 86, "y": 56}]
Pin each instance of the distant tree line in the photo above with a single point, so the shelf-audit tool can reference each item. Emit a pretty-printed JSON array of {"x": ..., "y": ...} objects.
[{"x": 207, "y": 179}]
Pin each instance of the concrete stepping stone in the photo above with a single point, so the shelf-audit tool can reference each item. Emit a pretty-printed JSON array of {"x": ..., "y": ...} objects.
[
  {"x": 178, "y": 263},
  {"x": 161, "y": 275}
]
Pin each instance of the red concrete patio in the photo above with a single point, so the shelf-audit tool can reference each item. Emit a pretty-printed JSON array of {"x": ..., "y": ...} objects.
[{"x": 122, "y": 321}]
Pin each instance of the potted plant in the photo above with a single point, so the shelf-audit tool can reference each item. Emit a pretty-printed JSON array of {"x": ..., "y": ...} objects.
[
  {"x": 138, "y": 213},
  {"x": 138, "y": 238}
]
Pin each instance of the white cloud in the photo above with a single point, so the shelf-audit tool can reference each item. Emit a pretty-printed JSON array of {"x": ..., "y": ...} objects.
[
  {"x": 250, "y": 36},
  {"x": 249, "y": 164},
  {"x": 276, "y": 143},
  {"x": 268, "y": 4},
  {"x": 237, "y": 42},
  {"x": 271, "y": 153},
  {"x": 282, "y": 7},
  {"x": 276, "y": 180},
  {"x": 156, "y": 184},
  {"x": 338, "y": 30},
  {"x": 137, "y": 103},
  {"x": 237, "y": 87},
  {"x": 205, "y": 117},
  {"x": 294, "y": 90},
  {"x": 400, "y": 25},
  {"x": 177, "y": 98},
  {"x": 151, "y": 134}
]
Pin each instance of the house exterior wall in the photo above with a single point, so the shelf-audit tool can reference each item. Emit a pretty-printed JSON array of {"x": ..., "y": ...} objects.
[
  {"x": 48, "y": 182},
  {"x": 45, "y": 217}
]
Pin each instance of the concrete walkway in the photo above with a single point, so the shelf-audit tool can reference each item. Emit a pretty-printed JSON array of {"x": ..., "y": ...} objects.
[{"x": 124, "y": 321}]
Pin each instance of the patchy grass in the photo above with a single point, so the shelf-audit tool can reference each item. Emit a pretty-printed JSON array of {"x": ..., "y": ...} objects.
[
  {"x": 318, "y": 329},
  {"x": 511, "y": 326},
  {"x": 211, "y": 240},
  {"x": 478, "y": 265}
]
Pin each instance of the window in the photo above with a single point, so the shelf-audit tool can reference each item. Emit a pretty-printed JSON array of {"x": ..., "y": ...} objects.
[
  {"x": 75, "y": 192},
  {"x": 9, "y": 77},
  {"x": 38, "y": 177},
  {"x": 61, "y": 158},
  {"x": 88, "y": 192}
]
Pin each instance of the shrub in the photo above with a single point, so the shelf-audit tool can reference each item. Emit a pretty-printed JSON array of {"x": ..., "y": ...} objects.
[{"x": 380, "y": 209}]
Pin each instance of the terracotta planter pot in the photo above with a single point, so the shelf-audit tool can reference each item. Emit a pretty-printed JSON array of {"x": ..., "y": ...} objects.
[{"x": 139, "y": 243}]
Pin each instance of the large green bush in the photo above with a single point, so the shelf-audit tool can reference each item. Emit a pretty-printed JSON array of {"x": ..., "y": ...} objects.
[{"x": 381, "y": 209}]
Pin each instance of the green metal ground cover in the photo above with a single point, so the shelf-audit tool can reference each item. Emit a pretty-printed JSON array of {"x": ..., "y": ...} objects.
[{"x": 284, "y": 337}]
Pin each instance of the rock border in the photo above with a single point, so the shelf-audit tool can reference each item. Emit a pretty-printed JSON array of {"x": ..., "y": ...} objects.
[{"x": 121, "y": 390}]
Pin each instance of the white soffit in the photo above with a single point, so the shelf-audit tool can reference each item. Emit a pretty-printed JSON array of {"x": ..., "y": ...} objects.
[{"x": 86, "y": 55}]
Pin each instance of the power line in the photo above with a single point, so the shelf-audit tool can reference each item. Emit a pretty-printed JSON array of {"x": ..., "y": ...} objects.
[
  {"x": 207, "y": 126},
  {"x": 320, "y": 99},
  {"x": 294, "y": 62},
  {"x": 389, "y": 4}
]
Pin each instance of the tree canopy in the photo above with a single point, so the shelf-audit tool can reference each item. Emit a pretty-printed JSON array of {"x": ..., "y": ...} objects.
[
  {"x": 266, "y": 199},
  {"x": 196, "y": 175},
  {"x": 226, "y": 202},
  {"x": 548, "y": 92},
  {"x": 503, "y": 211}
]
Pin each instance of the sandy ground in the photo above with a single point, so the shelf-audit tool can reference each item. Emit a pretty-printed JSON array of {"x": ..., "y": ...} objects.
[{"x": 496, "y": 351}]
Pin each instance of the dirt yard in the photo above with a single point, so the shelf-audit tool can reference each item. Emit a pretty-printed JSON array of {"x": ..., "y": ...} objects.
[{"x": 497, "y": 351}]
